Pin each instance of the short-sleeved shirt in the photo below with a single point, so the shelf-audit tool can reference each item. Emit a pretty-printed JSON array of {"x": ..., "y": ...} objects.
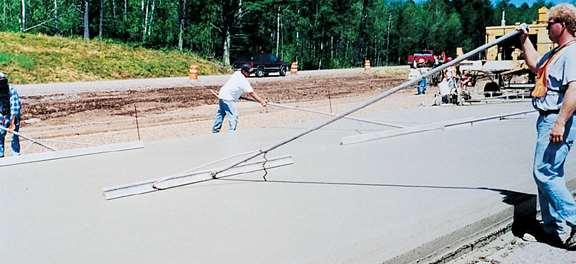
[
  {"x": 235, "y": 87},
  {"x": 450, "y": 72},
  {"x": 444, "y": 87},
  {"x": 413, "y": 74},
  {"x": 561, "y": 71}
]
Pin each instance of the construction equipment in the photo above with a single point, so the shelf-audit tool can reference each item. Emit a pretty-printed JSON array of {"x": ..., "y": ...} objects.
[
  {"x": 492, "y": 78},
  {"x": 503, "y": 69}
]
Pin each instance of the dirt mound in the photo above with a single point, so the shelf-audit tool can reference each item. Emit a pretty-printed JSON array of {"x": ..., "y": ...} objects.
[{"x": 170, "y": 99}]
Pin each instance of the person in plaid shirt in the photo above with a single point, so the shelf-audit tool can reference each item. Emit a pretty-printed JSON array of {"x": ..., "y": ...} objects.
[{"x": 10, "y": 109}]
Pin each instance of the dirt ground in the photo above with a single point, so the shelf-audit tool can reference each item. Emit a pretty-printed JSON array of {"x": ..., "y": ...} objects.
[{"x": 110, "y": 117}]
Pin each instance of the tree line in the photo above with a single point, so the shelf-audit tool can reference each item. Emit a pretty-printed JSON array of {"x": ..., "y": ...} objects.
[{"x": 318, "y": 33}]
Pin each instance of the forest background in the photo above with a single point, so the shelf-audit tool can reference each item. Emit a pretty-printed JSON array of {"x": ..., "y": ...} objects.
[{"x": 319, "y": 34}]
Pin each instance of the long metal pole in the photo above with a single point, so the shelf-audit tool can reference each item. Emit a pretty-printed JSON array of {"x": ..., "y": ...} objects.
[
  {"x": 381, "y": 96},
  {"x": 28, "y": 138}
]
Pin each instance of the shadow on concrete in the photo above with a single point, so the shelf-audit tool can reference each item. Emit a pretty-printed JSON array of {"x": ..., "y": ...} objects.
[
  {"x": 525, "y": 225},
  {"x": 524, "y": 216}
]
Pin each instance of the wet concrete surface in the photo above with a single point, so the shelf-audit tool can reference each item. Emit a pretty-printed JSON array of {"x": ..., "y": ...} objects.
[{"x": 361, "y": 203}]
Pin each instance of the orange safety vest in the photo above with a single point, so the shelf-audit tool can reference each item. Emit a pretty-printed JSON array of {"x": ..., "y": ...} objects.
[{"x": 541, "y": 86}]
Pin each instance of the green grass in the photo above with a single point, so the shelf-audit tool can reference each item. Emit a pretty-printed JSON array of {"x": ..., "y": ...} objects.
[
  {"x": 31, "y": 58},
  {"x": 20, "y": 60}
]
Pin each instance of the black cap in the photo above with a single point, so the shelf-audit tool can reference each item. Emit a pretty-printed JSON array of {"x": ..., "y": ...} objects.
[{"x": 245, "y": 67}]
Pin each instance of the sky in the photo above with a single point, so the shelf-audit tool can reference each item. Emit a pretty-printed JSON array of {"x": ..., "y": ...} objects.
[
  {"x": 530, "y": 2},
  {"x": 520, "y": 2}
]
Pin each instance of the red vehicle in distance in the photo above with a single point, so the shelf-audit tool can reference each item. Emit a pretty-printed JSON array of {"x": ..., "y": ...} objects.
[{"x": 423, "y": 58}]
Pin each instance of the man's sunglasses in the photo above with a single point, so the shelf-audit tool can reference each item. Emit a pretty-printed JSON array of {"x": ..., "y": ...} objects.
[{"x": 550, "y": 23}]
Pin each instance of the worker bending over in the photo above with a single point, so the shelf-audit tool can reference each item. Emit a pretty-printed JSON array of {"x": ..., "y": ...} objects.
[{"x": 231, "y": 92}]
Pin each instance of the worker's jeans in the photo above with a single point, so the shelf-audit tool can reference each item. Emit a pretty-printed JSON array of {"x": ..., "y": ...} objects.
[
  {"x": 15, "y": 139},
  {"x": 422, "y": 86},
  {"x": 556, "y": 202},
  {"x": 225, "y": 107}
]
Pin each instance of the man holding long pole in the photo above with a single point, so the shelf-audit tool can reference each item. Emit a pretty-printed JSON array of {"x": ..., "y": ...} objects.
[
  {"x": 10, "y": 119},
  {"x": 231, "y": 92},
  {"x": 554, "y": 96}
]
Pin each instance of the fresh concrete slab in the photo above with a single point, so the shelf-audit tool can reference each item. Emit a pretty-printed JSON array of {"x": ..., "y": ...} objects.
[{"x": 362, "y": 203}]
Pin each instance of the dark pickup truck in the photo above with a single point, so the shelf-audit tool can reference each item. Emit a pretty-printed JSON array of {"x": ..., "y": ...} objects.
[{"x": 263, "y": 64}]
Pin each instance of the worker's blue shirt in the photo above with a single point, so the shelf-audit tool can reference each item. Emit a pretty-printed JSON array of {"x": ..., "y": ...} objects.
[
  {"x": 15, "y": 106},
  {"x": 561, "y": 71}
]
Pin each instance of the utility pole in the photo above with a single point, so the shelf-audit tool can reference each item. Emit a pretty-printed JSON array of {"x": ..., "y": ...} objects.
[
  {"x": 278, "y": 32},
  {"x": 298, "y": 47},
  {"x": 388, "y": 37},
  {"x": 101, "y": 20},
  {"x": 182, "y": 15},
  {"x": 86, "y": 21},
  {"x": 4, "y": 12},
  {"x": 23, "y": 19}
]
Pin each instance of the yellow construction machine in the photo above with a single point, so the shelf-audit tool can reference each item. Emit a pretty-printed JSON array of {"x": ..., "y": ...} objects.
[{"x": 503, "y": 69}]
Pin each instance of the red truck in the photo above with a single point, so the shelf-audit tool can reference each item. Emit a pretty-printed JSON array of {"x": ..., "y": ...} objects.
[{"x": 422, "y": 58}]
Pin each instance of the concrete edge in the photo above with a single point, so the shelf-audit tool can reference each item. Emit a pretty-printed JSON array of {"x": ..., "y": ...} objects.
[
  {"x": 69, "y": 153},
  {"x": 464, "y": 240}
]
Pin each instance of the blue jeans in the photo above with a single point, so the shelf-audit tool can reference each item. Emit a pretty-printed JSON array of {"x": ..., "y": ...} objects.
[
  {"x": 422, "y": 86},
  {"x": 225, "y": 107},
  {"x": 556, "y": 202},
  {"x": 15, "y": 139}
]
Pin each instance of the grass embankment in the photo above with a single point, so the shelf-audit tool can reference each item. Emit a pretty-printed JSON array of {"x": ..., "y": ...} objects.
[{"x": 31, "y": 58}]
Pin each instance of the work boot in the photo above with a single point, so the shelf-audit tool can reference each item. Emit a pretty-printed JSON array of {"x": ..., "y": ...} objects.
[
  {"x": 570, "y": 243},
  {"x": 554, "y": 240}
]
